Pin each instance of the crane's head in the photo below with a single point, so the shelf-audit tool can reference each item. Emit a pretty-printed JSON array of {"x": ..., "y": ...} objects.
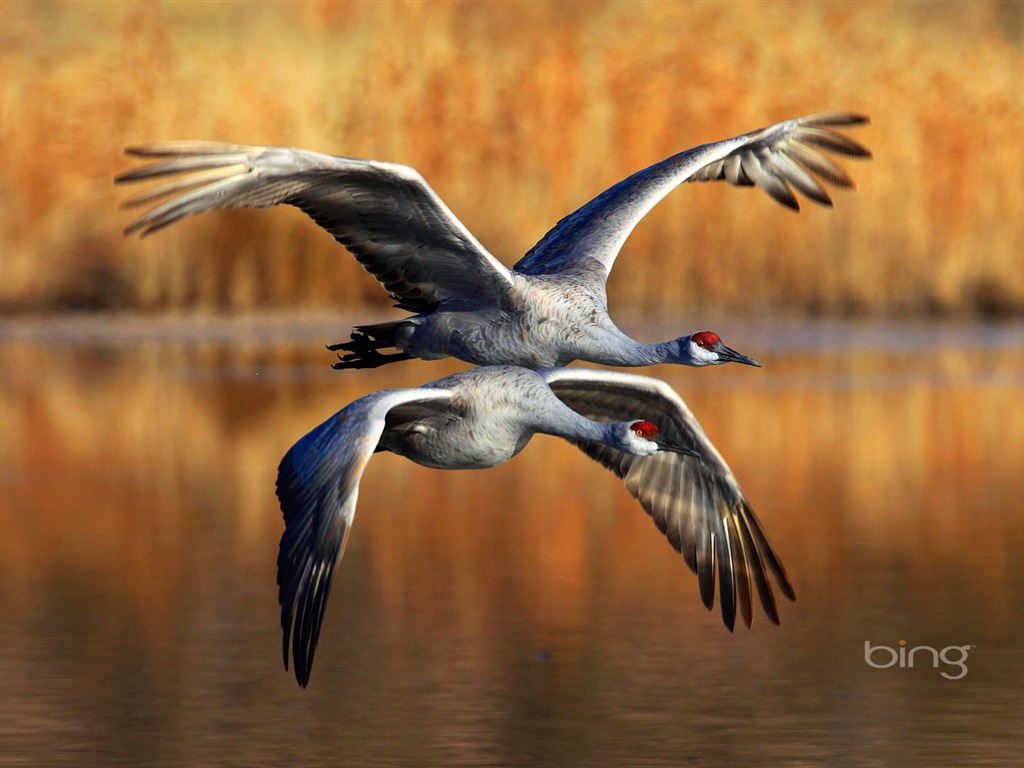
[
  {"x": 706, "y": 348},
  {"x": 643, "y": 438}
]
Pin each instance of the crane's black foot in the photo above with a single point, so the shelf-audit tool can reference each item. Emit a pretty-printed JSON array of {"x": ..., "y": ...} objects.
[
  {"x": 362, "y": 351},
  {"x": 368, "y": 359}
]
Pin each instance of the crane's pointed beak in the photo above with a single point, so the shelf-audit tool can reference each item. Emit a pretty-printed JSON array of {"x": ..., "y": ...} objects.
[
  {"x": 730, "y": 355},
  {"x": 670, "y": 446}
]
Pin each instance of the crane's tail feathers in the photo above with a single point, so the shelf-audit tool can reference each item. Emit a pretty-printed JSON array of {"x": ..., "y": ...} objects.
[{"x": 363, "y": 349}]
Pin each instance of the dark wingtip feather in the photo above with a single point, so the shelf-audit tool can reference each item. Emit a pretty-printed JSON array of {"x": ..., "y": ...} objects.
[
  {"x": 783, "y": 582},
  {"x": 833, "y": 141},
  {"x": 706, "y": 580},
  {"x": 144, "y": 228},
  {"x": 771, "y": 560},
  {"x": 186, "y": 148},
  {"x": 295, "y": 592},
  {"x": 286, "y": 479},
  {"x": 729, "y": 617},
  {"x": 790, "y": 202},
  {"x": 742, "y": 573},
  {"x": 835, "y": 118},
  {"x": 726, "y": 580},
  {"x": 131, "y": 175}
]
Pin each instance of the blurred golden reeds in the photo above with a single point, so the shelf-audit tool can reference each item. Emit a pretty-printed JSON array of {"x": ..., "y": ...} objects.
[{"x": 517, "y": 113}]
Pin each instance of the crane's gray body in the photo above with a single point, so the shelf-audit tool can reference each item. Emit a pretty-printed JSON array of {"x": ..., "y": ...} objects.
[
  {"x": 543, "y": 322},
  {"x": 491, "y": 415}
]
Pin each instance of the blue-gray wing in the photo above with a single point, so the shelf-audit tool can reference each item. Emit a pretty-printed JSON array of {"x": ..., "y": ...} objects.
[
  {"x": 385, "y": 214},
  {"x": 696, "y": 503},
  {"x": 777, "y": 159},
  {"x": 317, "y": 485}
]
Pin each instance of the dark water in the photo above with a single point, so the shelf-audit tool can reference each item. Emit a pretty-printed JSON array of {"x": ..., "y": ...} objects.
[{"x": 526, "y": 615}]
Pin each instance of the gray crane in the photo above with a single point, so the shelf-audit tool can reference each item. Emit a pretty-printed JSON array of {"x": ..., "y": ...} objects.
[
  {"x": 551, "y": 307},
  {"x": 636, "y": 426}
]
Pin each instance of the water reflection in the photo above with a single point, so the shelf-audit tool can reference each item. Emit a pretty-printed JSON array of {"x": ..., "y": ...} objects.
[{"x": 525, "y": 615}]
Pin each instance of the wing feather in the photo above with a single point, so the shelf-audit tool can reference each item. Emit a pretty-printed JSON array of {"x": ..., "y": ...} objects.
[
  {"x": 317, "y": 486},
  {"x": 385, "y": 214},
  {"x": 726, "y": 556},
  {"x": 696, "y": 503},
  {"x": 586, "y": 242}
]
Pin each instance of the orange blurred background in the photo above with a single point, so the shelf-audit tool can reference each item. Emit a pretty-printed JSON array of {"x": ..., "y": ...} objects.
[
  {"x": 517, "y": 113},
  {"x": 137, "y": 453}
]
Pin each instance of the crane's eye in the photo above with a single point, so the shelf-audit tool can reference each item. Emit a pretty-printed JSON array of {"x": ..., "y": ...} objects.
[{"x": 645, "y": 429}]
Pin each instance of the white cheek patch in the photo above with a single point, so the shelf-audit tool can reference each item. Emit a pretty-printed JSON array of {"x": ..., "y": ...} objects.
[
  {"x": 705, "y": 356},
  {"x": 642, "y": 447}
]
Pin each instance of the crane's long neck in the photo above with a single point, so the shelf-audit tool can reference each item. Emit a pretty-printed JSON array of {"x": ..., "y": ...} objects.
[
  {"x": 567, "y": 423},
  {"x": 629, "y": 352}
]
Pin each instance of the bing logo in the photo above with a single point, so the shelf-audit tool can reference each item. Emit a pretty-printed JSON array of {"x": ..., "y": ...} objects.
[{"x": 953, "y": 656}]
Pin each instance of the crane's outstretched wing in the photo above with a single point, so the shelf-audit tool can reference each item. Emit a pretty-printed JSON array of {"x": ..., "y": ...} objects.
[
  {"x": 385, "y": 214},
  {"x": 586, "y": 242},
  {"x": 317, "y": 485},
  {"x": 696, "y": 503}
]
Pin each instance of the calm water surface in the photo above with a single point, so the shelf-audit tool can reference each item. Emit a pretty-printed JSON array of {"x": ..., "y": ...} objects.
[{"x": 526, "y": 615}]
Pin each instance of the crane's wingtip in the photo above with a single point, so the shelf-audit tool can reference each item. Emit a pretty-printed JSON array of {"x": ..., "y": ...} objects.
[
  {"x": 786, "y": 587},
  {"x": 835, "y": 118},
  {"x": 790, "y": 203},
  {"x": 142, "y": 229}
]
